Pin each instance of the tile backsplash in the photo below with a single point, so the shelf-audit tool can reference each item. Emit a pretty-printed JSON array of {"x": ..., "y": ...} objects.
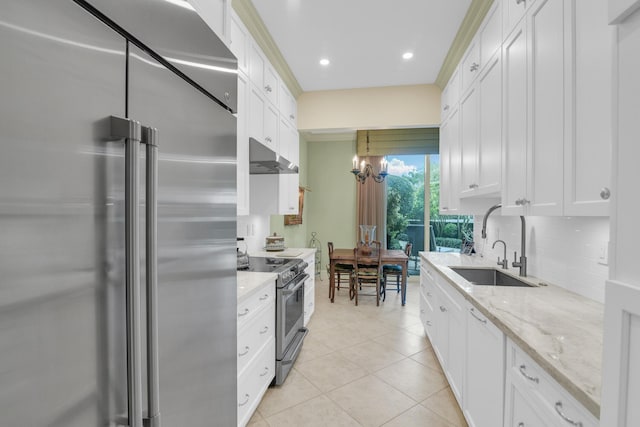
[{"x": 571, "y": 252}]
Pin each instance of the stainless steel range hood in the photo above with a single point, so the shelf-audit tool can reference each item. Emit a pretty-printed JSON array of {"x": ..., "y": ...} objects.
[{"x": 264, "y": 161}]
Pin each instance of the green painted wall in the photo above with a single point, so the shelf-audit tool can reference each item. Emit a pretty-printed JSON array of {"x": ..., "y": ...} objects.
[{"x": 332, "y": 205}]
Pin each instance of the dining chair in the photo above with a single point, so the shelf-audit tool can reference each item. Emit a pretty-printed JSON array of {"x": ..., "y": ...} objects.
[
  {"x": 394, "y": 270},
  {"x": 340, "y": 271},
  {"x": 368, "y": 272}
]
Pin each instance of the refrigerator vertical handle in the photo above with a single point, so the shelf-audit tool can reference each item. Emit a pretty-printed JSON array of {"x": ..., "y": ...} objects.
[
  {"x": 130, "y": 131},
  {"x": 150, "y": 138}
]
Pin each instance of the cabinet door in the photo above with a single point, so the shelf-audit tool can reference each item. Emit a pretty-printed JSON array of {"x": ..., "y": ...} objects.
[
  {"x": 513, "y": 12},
  {"x": 257, "y": 64},
  {"x": 588, "y": 146},
  {"x": 271, "y": 83},
  {"x": 491, "y": 34},
  {"x": 490, "y": 127},
  {"x": 470, "y": 65},
  {"x": 257, "y": 106},
  {"x": 469, "y": 142},
  {"x": 454, "y": 163},
  {"x": 288, "y": 194},
  {"x": 243, "y": 146},
  {"x": 450, "y": 95},
  {"x": 518, "y": 411},
  {"x": 239, "y": 41},
  {"x": 271, "y": 127},
  {"x": 484, "y": 371},
  {"x": 546, "y": 39},
  {"x": 457, "y": 332},
  {"x": 514, "y": 164}
]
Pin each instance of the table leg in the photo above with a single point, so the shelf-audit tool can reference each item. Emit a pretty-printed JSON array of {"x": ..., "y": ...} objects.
[
  {"x": 405, "y": 267},
  {"x": 332, "y": 281}
]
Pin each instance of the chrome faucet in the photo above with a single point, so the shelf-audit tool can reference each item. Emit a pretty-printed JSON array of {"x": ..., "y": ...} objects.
[
  {"x": 486, "y": 216},
  {"x": 522, "y": 264},
  {"x": 505, "y": 262}
]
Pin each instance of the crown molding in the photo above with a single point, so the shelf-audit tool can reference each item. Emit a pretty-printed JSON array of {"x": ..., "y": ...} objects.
[
  {"x": 470, "y": 24},
  {"x": 251, "y": 19}
]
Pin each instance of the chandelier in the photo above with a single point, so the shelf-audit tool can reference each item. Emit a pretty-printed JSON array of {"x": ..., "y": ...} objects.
[{"x": 366, "y": 170}]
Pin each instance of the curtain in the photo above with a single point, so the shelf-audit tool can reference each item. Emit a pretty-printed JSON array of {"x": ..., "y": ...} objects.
[
  {"x": 372, "y": 205},
  {"x": 383, "y": 142}
]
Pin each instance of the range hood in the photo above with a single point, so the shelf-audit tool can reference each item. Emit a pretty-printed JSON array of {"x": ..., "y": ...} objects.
[{"x": 264, "y": 161}]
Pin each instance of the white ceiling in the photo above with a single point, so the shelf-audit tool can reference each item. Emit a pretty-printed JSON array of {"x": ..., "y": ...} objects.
[{"x": 363, "y": 39}]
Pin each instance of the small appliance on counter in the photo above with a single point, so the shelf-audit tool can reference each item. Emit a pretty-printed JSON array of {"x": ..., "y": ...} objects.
[
  {"x": 274, "y": 243},
  {"x": 243, "y": 257}
]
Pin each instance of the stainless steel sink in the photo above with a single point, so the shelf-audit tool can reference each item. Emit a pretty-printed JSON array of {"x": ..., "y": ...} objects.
[{"x": 489, "y": 277}]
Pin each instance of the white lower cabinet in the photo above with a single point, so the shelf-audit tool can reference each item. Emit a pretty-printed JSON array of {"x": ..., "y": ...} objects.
[
  {"x": 484, "y": 371},
  {"x": 535, "y": 399},
  {"x": 309, "y": 288},
  {"x": 256, "y": 348}
]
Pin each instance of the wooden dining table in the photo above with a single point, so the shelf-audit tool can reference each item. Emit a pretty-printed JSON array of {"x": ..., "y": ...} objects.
[{"x": 388, "y": 256}]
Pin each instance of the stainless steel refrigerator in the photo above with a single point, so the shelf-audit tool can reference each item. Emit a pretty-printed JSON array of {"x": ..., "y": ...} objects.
[{"x": 117, "y": 216}]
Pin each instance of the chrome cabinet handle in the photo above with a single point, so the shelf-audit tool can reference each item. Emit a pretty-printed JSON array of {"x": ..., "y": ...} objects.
[
  {"x": 428, "y": 322},
  {"x": 446, "y": 107},
  {"x": 605, "y": 193},
  {"x": 429, "y": 294},
  {"x": 474, "y": 185},
  {"x": 291, "y": 116},
  {"x": 246, "y": 311},
  {"x": 246, "y": 400},
  {"x": 268, "y": 139},
  {"x": 527, "y": 376},
  {"x": 520, "y": 424},
  {"x": 474, "y": 67},
  {"x": 558, "y": 407},
  {"x": 520, "y": 1},
  {"x": 473, "y": 313},
  {"x": 443, "y": 309},
  {"x": 266, "y": 371},
  {"x": 268, "y": 88},
  {"x": 264, "y": 331},
  {"x": 422, "y": 310},
  {"x": 246, "y": 350},
  {"x": 264, "y": 297}
]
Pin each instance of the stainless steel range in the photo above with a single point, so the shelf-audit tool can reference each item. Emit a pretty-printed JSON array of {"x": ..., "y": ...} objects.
[{"x": 290, "y": 330}]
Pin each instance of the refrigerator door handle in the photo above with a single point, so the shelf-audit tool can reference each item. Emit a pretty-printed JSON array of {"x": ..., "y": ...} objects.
[
  {"x": 130, "y": 131},
  {"x": 150, "y": 139}
]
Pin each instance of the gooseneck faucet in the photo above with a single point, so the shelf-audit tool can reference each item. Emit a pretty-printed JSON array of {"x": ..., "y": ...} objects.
[
  {"x": 522, "y": 264},
  {"x": 505, "y": 262},
  {"x": 486, "y": 216}
]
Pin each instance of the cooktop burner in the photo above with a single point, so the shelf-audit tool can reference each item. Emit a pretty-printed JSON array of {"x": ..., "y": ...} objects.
[{"x": 286, "y": 268}]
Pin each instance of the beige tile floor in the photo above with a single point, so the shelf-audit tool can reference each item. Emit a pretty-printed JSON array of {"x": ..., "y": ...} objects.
[{"x": 363, "y": 366}]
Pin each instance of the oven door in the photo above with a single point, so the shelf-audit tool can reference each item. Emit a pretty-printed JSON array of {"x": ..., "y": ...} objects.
[{"x": 289, "y": 313}]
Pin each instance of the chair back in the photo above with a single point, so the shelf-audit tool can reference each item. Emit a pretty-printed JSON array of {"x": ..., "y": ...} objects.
[
  {"x": 407, "y": 249},
  {"x": 330, "y": 245}
]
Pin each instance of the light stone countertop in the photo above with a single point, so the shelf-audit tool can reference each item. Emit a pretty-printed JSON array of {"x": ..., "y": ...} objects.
[
  {"x": 561, "y": 330},
  {"x": 287, "y": 253},
  {"x": 250, "y": 282}
]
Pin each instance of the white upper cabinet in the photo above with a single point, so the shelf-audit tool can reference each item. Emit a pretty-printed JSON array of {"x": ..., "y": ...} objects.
[
  {"x": 288, "y": 104},
  {"x": 262, "y": 74},
  {"x": 263, "y": 119},
  {"x": 490, "y": 34},
  {"x": 450, "y": 95},
  {"x": 216, "y": 14},
  {"x": 481, "y": 133},
  {"x": 469, "y": 142},
  {"x": 514, "y": 122},
  {"x": 534, "y": 117},
  {"x": 514, "y": 11},
  {"x": 239, "y": 42},
  {"x": 470, "y": 65},
  {"x": 547, "y": 47},
  {"x": 450, "y": 164},
  {"x": 588, "y": 146}
]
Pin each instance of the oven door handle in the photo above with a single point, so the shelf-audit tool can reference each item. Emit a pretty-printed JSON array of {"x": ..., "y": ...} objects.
[
  {"x": 304, "y": 331},
  {"x": 301, "y": 281}
]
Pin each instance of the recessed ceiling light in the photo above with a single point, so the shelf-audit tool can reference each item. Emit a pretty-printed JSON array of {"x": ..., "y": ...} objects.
[
  {"x": 324, "y": 62},
  {"x": 407, "y": 55}
]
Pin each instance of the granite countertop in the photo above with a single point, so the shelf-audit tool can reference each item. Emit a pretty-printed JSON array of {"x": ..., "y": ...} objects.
[
  {"x": 250, "y": 282},
  {"x": 561, "y": 330}
]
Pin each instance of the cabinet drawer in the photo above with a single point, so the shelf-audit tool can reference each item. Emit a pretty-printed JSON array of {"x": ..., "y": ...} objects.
[
  {"x": 249, "y": 307},
  {"x": 426, "y": 317},
  {"x": 253, "y": 382},
  {"x": 253, "y": 336},
  {"x": 519, "y": 412},
  {"x": 543, "y": 391}
]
